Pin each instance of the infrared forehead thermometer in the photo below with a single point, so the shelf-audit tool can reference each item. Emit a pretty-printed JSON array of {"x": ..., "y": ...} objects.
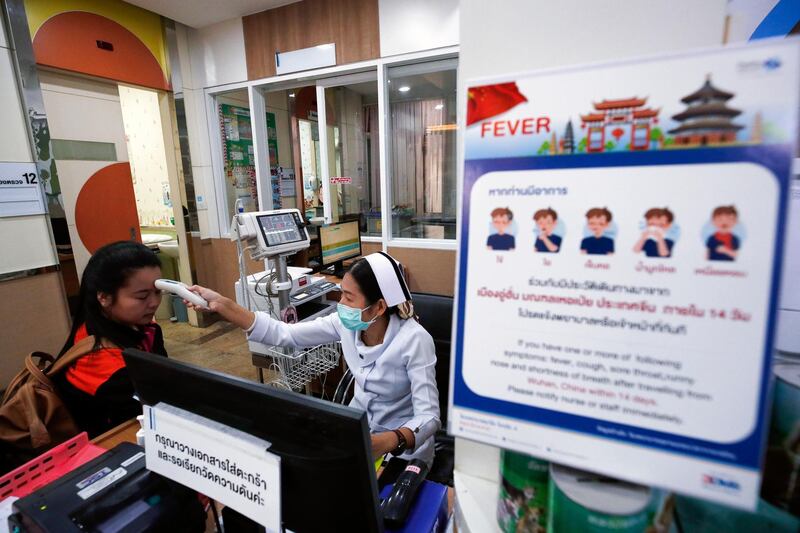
[{"x": 180, "y": 289}]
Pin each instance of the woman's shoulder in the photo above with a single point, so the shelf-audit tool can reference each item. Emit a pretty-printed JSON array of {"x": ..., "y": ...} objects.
[{"x": 412, "y": 331}]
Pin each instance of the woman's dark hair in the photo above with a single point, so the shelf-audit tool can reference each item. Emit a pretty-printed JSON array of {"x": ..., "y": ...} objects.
[
  {"x": 368, "y": 283},
  {"x": 107, "y": 271}
]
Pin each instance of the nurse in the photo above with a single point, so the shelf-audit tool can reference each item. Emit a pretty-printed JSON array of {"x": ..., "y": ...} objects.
[{"x": 391, "y": 356}]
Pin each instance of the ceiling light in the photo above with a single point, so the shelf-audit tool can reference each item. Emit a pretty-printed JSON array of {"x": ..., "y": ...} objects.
[
  {"x": 291, "y": 95},
  {"x": 439, "y": 106},
  {"x": 404, "y": 89}
]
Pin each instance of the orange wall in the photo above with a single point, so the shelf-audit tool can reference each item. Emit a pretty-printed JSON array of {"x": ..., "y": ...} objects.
[
  {"x": 66, "y": 33},
  {"x": 430, "y": 271}
]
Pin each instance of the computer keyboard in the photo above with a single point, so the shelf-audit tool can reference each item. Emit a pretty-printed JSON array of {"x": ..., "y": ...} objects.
[{"x": 312, "y": 291}]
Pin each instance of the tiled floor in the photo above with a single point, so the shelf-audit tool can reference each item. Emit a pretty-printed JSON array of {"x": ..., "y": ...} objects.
[{"x": 221, "y": 346}]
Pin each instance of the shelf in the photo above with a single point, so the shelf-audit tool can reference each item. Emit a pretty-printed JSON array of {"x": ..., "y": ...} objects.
[{"x": 476, "y": 504}]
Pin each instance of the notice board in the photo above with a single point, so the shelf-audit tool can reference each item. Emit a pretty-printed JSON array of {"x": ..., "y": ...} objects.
[
  {"x": 239, "y": 156},
  {"x": 619, "y": 262}
]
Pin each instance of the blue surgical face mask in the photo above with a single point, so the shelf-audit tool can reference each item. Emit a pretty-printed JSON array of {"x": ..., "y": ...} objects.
[{"x": 351, "y": 317}]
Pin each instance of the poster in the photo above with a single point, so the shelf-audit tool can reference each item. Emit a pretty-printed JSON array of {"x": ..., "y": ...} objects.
[
  {"x": 272, "y": 147},
  {"x": 237, "y": 135},
  {"x": 237, "y": 148},
  {"x": 619, "y": 264}
]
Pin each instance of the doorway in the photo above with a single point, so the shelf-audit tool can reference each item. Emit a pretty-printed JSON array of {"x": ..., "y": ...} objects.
[{"x": 113, "y": 173}]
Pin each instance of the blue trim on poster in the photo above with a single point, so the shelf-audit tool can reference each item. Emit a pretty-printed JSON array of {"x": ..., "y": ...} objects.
[
  {"x": 745, "y": 453},
  {"x": 779, "y": 21}
]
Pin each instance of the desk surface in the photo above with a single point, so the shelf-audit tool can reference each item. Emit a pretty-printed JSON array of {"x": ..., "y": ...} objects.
[{"x": 125, "y": 432}]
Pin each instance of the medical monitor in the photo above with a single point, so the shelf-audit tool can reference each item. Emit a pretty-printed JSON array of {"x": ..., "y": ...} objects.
[{"x": 270, "y": 233}]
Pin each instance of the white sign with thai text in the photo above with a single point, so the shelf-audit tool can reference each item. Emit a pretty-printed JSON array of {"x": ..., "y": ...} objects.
[
  {"x": 20, "y": 190},
  {"x": 223, "y": 463}
]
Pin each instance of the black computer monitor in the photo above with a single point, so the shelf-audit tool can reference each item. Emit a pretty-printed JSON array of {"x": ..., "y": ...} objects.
[
  {"x": 337, "y": 243},
  {"x": 327, "y": 473}
]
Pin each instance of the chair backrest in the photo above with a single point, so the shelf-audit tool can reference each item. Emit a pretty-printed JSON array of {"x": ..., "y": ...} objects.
[{"x": 436, "y": 316}]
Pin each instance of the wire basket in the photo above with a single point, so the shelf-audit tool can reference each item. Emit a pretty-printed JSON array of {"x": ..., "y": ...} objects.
[{"x": 297, "y": 369}]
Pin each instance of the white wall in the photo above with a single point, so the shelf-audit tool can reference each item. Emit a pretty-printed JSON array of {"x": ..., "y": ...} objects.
[
  {"x": 25, "y": 241},
  {"x": 533, "y": 34},
  {"x": 210, "y": 56},
  {"x": 13, "y": 135},
  {"x": 525, "y": 35},
  {"x": 217, "y": 54},
  {"x": 414, "y": 25},
  {"x": 81, "y": 109}
]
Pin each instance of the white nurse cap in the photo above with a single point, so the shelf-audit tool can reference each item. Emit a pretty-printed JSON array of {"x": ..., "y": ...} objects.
[{"x": 390, "y": 278}]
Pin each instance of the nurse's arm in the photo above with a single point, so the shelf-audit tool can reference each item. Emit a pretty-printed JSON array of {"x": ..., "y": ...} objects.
[
  {"x": 225, "y": 307},
  {"x": 267, "y": 330},
  {"x": 262, "y": 328},
  {"x": 421, "y": 368}
]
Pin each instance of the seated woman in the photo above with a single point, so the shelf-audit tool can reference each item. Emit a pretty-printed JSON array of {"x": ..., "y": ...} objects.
[
  {"x": 118, "y": 301},
  {"x": 391, "y": 357}
]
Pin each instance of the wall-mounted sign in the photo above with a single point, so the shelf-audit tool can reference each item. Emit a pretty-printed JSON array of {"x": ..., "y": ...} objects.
[
  {"x": 341, "y": 180},
  {"x": 619, "y": 265},
  {"x": 323, "y": 55},
  {"x": 20, "y": 190}
]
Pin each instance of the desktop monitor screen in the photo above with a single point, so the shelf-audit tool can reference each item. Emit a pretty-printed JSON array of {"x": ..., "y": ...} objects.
[
  {"x": 339, "y": 242},
  {"x": 281, "y": 228},
  {"x": 327, "y": 473}
]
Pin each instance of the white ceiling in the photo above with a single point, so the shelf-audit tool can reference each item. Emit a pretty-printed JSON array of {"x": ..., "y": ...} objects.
[{"x": 199, "y": 13}]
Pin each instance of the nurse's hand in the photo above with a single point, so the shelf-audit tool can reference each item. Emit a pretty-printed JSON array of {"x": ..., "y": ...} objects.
[
  {"x": 386, "y": 441},
  {"x": 383, "y": 443},
  {"x": 230, "y": 310}
]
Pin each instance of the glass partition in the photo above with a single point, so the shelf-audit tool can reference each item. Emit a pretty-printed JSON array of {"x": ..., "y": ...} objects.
[
  {"x": 422, "y": 149},
  {"x": 353, "y": 154},
  {"x": 334, "y": 169}
]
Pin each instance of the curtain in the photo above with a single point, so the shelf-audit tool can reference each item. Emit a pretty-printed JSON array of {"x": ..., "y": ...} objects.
[
  {"x": 418, "y": 155},
  {"x": 372, "y": 131},
  {"x": 435, "y": 156}
]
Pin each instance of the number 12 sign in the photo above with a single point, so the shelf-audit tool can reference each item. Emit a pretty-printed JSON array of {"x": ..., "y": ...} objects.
[{"x": 20, "y": 192}]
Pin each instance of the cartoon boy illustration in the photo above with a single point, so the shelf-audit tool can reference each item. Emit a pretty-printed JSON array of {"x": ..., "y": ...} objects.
[
  {"x": 723, "y": 245},
  {"x": 501, "y": 220},
  {"x": 653, "y": 241},
  {"x": 546, "y": 242},
  {"x": 598, "y": 219}
]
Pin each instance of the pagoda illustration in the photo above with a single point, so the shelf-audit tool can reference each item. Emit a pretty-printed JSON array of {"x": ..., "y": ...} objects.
[
  {"x": 615, "y": 122},
  {"x": 568, "y": 141},
  {"x": 707, "y": 119}
]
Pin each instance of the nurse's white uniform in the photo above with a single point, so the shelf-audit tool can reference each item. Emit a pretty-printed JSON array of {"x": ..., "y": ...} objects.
[{"x": 395, "y": 382}]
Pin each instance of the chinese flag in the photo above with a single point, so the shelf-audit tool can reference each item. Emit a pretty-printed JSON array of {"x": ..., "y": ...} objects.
[{"x": 488, "y": 101}]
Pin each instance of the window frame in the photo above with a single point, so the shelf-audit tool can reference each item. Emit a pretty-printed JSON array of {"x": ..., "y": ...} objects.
[
  {"x": 321, "y": 78},
  {"x": 386, "y": 177}
]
